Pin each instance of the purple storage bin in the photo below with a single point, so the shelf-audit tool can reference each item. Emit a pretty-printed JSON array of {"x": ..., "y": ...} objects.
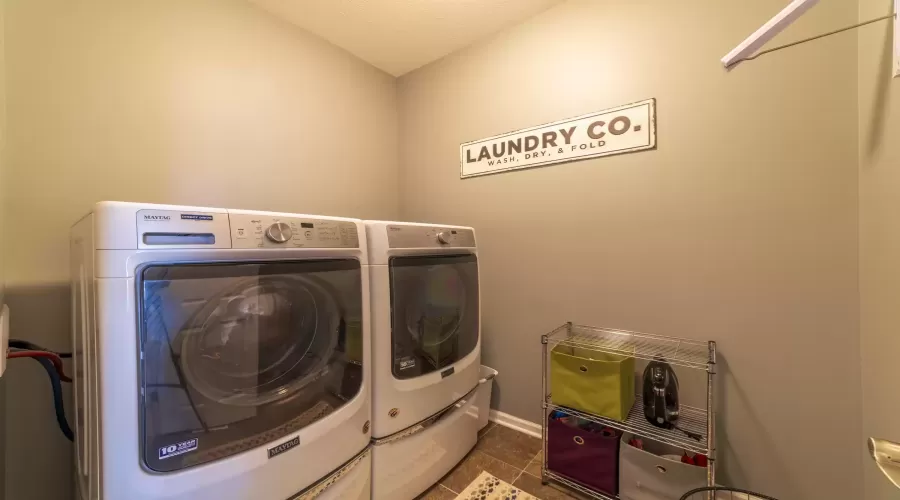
[{"x": 591, "y": 458}]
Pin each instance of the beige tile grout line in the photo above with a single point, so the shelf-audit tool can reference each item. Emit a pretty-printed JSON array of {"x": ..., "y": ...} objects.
[
  {"x": 504, "y": 463},
  {"x": 517, "y": 477},
  {"x": 448, "y": 489},
  {"x": 495, "y": 458},
  {"x": 521, "y": 470},
  {"x": 526, "y": 466}
]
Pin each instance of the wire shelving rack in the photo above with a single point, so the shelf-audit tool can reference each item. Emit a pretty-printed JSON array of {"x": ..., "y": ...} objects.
[{"x": 698, "y": 422}]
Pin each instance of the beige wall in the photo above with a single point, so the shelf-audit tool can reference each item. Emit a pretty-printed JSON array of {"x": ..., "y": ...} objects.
[
  {"x": 209, "y": 102},
  {"x": 879, "y": 193},
  {"x": 741, "y": 227}
]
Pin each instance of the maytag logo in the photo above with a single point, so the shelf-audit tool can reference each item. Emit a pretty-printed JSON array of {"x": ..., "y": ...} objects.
[
  {"x": 283, "y": 447},
  {"x": 157, "y": 217},
  {"x": 196, "y": 217}
]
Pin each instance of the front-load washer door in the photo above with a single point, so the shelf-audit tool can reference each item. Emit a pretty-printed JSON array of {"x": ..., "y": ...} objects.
[
  {"x": 434, "y": 312},
  {"x": 236, "y": 355}
]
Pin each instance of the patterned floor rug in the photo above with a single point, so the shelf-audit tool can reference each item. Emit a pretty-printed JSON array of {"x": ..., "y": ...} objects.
[{"x": 488, "y": 487}]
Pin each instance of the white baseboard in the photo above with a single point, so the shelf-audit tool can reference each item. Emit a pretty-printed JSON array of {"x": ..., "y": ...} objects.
[{"x": 524, "y": 426}]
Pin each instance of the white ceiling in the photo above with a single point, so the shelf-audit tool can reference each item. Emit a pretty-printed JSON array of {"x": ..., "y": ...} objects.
[{"x": 399, "y": 36}]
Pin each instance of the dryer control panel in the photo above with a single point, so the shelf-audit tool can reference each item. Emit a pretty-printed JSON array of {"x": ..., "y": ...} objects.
[
  {"x": 268, "y": 231},
  {"x": 402, "y": 236}
]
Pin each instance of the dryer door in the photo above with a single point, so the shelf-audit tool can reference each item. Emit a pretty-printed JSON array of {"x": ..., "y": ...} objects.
[
  {"x": 235, "y": 355},
  {"x": 435, "y": 312}
]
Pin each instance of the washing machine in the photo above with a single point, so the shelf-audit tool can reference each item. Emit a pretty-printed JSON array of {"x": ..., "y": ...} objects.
[
  {"x": 220, "y": 354},
  {"x": 426, "y": 354}
]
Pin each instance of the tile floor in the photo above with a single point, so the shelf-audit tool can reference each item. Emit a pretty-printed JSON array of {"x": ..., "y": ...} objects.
[{"x": 507, "y": 454}]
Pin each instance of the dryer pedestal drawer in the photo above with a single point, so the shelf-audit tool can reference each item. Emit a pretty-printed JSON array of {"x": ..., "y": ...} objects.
[{"x": 408, "y": 463}]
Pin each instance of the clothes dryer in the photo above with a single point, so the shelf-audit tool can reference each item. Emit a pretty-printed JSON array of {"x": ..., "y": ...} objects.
[{"x": 426, "y": 317}]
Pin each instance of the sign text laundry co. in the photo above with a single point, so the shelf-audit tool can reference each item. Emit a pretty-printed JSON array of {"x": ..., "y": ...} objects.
[{"x": 613, "y": 131}]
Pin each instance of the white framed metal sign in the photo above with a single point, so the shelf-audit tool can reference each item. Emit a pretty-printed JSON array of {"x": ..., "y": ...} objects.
[{"x": 613, "y": 131}]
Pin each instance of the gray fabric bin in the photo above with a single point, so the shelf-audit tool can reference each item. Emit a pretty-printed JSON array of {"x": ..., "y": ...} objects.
[{"x": 645, "y": 475}]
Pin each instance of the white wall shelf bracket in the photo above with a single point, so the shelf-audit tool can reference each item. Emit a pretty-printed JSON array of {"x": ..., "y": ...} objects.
[
  {"x": 768, "y": 31},
  {"x": 749, "y": 48}
]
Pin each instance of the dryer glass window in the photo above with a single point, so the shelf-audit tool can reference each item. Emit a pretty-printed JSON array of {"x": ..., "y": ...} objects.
[
  {"x": 435, "y": 317},
  {"x": 239, "y": 355}
]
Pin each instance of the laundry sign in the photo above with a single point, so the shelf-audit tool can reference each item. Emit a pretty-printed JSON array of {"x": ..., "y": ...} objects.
[{"x": 618, "y": 130}]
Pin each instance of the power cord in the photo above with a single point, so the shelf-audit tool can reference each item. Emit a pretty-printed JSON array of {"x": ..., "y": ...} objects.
[
  {"x": 24, "y": 344},
  {"x": 51, "y": 356},
  {"x": 52, "y": 363},
  {"x": 57, "y": 398}
]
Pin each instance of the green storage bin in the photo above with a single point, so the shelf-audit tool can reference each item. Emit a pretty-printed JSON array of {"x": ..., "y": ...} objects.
[{"x": 592, "y": 381}]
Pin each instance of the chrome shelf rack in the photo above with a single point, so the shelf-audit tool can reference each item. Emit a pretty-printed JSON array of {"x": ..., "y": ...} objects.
[{"x": 697, "y": 428}]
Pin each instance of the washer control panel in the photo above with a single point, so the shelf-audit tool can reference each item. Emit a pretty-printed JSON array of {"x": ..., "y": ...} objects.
[
  {"x": 429, "y": 237},
  {"x": 266, "y": 231}
]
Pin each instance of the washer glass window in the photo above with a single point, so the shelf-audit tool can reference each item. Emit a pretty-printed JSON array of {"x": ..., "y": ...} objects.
[
  {"x": 435, "y": 315},
  {"x": 236, "y": 355}
]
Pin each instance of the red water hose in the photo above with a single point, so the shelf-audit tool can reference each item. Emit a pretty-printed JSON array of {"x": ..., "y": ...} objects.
[{"x": 52, "y": 356}]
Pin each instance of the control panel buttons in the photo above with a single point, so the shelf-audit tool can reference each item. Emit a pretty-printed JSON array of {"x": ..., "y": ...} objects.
[
  {"x": 423, "y": 236},
  {"x": 279, "y": 232},
  {"x": 255, "y": 231}
]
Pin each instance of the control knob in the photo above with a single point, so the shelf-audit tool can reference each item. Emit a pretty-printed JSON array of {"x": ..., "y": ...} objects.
[
  {"x": 279, "y": 232},
  {"x": 444, "y": 237}
]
